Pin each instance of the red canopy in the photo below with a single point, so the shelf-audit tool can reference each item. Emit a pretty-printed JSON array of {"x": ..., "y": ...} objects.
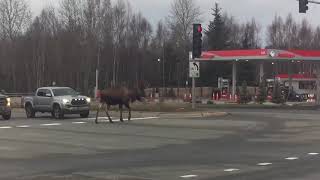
[
  {"x": 261, "y": 54},
  {"x": 296, "y": 76}
]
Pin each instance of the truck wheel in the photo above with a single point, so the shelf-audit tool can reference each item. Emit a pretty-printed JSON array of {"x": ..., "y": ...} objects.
[
  {"x": 57, "y": 112},
  {"x": 30, "y": 112},
  {"x": 6, "y": 116},
  {"x": 85, "y": 114}
]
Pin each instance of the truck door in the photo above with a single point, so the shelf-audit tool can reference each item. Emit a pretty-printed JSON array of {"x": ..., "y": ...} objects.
[
  {"x": 37, "y": 99},
  {"x": 43, "y": 100},
  {"x": 46, "y": 102}
]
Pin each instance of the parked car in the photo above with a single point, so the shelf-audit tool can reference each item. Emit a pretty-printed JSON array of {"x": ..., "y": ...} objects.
[
  {"x": 5, "y": 107},
  {"x": 58, "y": 101}
]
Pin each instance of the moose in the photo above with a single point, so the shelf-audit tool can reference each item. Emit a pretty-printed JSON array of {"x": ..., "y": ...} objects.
[{"x": 121, "y": 96}]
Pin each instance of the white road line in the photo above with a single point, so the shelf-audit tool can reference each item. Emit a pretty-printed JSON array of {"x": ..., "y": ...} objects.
[
  {"x": 52, "y": 124},
  {"x": 5, "y": 127},
  {"x": 264, "y": 164},
  {"x": 292, "y": 158},
  {"x": 79, "y": 122},
  {"x": 189, "y": 176},
  {"x": 313, "y": 154},
  {"x": 105, "y": 119},
  {"x": 144, "y": 118},
  {"x": 23, "y": 126},
  {"x": 98, "y": 118},
  {"x": 231, "y": 170}
]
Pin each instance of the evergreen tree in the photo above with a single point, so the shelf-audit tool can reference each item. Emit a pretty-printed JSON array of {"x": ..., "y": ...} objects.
[
  {"x": 262, "y": 92},
  {"x": 244, "y": 95},
  {"x": 216, "y": 30},
  {"x": 277, "y": 96}
]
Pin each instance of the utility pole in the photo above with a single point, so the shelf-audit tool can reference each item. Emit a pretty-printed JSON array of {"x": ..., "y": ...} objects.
[
  {"x": 97, "y": 73},
  {"x": 163, "y": 66}
]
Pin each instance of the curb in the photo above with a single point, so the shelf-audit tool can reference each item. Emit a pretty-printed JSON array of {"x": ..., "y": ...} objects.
[{"x": 193, "y": 115}]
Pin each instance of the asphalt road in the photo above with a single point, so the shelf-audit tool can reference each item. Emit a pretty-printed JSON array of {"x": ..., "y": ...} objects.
[{"x": 248, "y": 144}]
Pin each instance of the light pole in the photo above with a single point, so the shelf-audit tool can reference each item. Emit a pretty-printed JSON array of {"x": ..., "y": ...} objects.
[
  {"x": 159, "y": 62},
  {"x": 97, "y": 74},
  {"x": 163, "y": 77}
]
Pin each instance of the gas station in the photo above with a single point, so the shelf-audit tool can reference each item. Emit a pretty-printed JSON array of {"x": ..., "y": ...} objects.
[{"x": 290, "y": 63}]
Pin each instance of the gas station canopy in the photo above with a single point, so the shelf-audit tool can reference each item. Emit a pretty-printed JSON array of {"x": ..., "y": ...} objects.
[
  {"x": 261, "y": 54},
  {"x": 258, "y": 56}
]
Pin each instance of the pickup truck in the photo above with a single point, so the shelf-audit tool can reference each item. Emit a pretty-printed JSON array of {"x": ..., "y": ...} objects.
[
  {"x": 5, "y": 107},
  {"x": 58, "y": 101}
]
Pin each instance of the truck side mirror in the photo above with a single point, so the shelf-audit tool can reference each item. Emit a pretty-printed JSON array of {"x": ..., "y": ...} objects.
[{"x": 48, "y": 95}]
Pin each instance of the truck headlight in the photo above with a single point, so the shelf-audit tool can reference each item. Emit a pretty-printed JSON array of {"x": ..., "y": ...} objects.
[
  {"x": 65, "y": 101},
  {"x": 88, "y": 100},
  {"x": 8, "y": 102}
]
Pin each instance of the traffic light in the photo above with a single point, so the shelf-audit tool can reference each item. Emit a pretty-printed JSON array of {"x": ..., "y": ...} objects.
[
  {"x": 303, "y": 6},
  {"x": 197, "y": 41}
]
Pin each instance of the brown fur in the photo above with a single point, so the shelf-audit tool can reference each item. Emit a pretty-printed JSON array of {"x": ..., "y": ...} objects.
[{"x": 118, "y": 96}]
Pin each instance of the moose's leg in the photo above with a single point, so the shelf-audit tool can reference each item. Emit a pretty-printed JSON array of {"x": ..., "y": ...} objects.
[
  {"x": 97, "y": 115},
  {"x": 129, "y": 109},
  {"x": 107, "y": 112},
  {"x": 120, "y": 108}
]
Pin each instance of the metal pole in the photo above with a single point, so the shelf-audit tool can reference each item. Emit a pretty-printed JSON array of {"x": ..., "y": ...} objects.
[
  {"x": 97, "y": 73},
  {"x": 314, "y": 2},
  {"x": 234, "y": 79},
  {"x": 96, "y": 88},
  {"x": 290, "y": 78},
  {"x": 261, "y": 72},
  {"x": 193, "y": 93},
  {"x": 163, "y": 79},
  {"x": 311, "y": 1},
  {"x": 159, "y": 62}
]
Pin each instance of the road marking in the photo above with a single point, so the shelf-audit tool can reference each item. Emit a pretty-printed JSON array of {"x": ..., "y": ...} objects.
[
  {"x": 189, "y": 176},
  {"x": 23, "y": 126},
  {"x": 313, "y": 154},
  {"x": 264, "y": 164},
  {"x": 292, "y": 158},
  {"x": 5, "y": 127},
  {"x": 231, "y": 170},
  {"x": 144, "y": 118},
  {"x": 52, "y": 124},
  {"x": 105, "y": 119},
  {"x": 99, "y": 118},
  {"x": 79, "y": 122}
]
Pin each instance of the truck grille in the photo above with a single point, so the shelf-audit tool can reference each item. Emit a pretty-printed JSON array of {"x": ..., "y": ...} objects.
[
  {"x": 78, "y": 102},
  {"x": 2, "y": 102}
]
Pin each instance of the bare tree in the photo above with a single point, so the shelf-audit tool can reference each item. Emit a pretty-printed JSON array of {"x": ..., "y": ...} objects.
[
  {"x": 120, "y": 19},
  {"x": 250, "y": 35},
  {"x": 305, "y": 35},
  {"x": 233, "y": 32},
  {"x": 291, "y": 35},
  {"x": 316, "y": 39},
  {"x": 71, "y": 13},
  {"x": 15, "y": 16},
  {"x": 183, "y": 14},
  {"x": 275, "y": 34}
]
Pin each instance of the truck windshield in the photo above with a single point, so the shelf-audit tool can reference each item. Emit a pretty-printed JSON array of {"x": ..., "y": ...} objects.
[{"x": 64, "y": 92}]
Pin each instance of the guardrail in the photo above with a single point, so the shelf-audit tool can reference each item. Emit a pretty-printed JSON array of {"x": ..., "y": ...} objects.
[{"x": 18, "y": 94}]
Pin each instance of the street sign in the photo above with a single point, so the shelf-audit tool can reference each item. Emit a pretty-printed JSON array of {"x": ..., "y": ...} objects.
[{"x": 194, "y": 69}]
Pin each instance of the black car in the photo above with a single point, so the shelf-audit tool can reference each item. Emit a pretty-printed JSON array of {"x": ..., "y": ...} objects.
[{"x": 5, "y": 107}]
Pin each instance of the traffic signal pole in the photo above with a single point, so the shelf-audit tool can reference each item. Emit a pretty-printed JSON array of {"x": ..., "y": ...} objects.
[
  {"x": 314, "y": 2},
  {"x": 303, "y": 5},
  {"x": 196, "y": 53},
  {"x": 193, "y": 93}
]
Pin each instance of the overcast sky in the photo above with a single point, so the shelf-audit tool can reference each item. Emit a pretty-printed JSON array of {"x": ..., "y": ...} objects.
[{"x": 243, "y": 10}]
